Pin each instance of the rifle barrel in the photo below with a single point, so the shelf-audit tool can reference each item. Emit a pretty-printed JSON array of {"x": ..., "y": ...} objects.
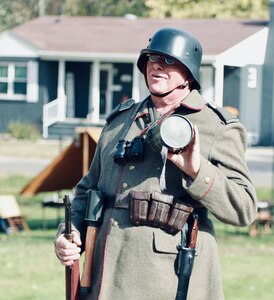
[{"x": 72, "y": 272}]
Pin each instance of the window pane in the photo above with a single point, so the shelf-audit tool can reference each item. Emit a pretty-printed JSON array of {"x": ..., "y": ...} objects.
[
  {"x": 20, "y": 72},
  {"x": 20, "y": 88},
  {"x": 3, "y": 71},
  {"x": 3, "y": 87}
]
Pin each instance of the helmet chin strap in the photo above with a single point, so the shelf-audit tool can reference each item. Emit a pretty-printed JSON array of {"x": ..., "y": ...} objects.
[{"x": 181, "y": 86}]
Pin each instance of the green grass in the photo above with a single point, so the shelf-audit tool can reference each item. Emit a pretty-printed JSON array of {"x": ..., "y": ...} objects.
[
  {"x": 30, "y": 270},
  {"x": 246, "y": 263}
]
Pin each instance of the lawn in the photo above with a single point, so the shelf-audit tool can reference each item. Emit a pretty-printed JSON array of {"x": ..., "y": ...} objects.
[{"x": 30, "y": 270}]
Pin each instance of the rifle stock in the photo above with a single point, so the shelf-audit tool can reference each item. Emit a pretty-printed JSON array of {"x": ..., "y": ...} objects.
[
  {"x": 72, "y": 272},
  {"x": 94, "y": 216},
  {"x": 89, "y": 249}
]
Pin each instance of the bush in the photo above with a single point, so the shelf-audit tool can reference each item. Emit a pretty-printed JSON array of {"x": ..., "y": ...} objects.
[{"x": 20, "y": 130}]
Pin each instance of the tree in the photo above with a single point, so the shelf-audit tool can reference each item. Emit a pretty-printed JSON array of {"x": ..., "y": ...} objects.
[
  {"x": 208, "y": 8},
  {"x": 15, "y": 12}
]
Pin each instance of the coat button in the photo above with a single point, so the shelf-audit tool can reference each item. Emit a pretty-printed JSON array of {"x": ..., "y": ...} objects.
[
  {"x": 131, "y": 168},
  {"x": 124, "y": 185},
  {"x": 207, "y": 179},
  {"x": 114, "y": 223}
]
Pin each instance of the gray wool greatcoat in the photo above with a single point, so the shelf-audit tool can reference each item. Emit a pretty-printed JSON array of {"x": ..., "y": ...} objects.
[{"x": 137, "y": 263}]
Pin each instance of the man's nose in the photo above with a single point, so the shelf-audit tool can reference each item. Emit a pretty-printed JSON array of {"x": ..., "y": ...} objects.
[{"x": 159, "y": 64}]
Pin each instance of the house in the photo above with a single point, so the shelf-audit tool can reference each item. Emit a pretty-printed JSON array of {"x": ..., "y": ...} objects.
[{"x": 61, "y": 72}]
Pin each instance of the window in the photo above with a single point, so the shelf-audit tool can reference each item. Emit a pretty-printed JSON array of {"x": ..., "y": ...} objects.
[
  {"x": 13, "y": 81},
  {"x": 3, "y": 79},
  {"x": 20, "y": 80}
]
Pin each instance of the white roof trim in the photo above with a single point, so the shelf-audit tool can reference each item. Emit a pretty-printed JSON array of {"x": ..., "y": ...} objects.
[
  {"x": 88, "y": 56},
  {"x": 249, "y": 51},
  {"x": 13, "y": 46}
]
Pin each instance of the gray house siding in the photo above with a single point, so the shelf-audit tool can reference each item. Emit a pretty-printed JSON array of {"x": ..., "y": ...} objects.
[
  {"x": 242, "y": 90},
  {"x": 250, "y": 104},
  {"x": 19, "y": 111}
]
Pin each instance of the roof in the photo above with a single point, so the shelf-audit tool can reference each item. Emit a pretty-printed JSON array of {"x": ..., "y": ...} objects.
[
  {"x": 124, "y": 35},
  {"x": 65, "y": 171}
]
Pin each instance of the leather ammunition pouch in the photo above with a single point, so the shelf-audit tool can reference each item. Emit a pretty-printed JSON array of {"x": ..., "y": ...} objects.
[
  {"x": 139, "y": 207},
  {"x": 158, "y": 210}
]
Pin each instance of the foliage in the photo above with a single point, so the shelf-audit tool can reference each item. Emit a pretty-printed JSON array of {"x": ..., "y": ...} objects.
[
  {"x": 105, "y": 8},
  {"x": 208, "y": 8},
  {"x": 13, "y": 13},
  {"x": 16, "y": 12},
  {"x": 21, "y": 130}
]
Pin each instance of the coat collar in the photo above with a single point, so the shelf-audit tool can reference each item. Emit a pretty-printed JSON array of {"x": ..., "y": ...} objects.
[{"x": 194, "y": 101}]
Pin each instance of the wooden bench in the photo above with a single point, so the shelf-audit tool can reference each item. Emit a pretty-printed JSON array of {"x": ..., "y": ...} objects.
[{"x": 10, "y": 211}]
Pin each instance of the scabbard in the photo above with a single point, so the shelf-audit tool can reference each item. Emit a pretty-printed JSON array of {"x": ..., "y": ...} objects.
[
  {"x": 185, "y": 265},
  {"x": 182, "y": 288}
]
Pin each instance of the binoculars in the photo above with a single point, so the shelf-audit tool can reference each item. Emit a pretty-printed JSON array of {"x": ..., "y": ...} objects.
[{"x": 129, "y": 151}]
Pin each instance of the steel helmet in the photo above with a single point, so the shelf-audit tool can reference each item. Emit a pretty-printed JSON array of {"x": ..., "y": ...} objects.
[{"x": 178, "y": 44}]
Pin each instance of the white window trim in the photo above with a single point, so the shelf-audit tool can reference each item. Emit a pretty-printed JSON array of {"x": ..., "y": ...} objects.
[{"x": 31, "y": 81}]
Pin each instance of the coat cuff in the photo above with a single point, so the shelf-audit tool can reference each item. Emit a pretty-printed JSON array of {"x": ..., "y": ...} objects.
[{"x": 202, "y": 184}]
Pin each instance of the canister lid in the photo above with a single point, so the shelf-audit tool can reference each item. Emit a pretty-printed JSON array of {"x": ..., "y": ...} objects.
[{"x": 176, "y": 132}]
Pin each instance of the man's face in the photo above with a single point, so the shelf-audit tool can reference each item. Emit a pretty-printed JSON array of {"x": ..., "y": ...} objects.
[{"x": 163, "y": 76}]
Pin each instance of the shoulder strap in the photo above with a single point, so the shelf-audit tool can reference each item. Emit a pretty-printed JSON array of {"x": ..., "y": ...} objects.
[
  {"x": 226, "y": 116},
  {"x": 119, "y": 108}
]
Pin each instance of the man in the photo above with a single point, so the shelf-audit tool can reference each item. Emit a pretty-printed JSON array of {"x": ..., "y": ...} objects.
[{"x": 210, "y": 174}]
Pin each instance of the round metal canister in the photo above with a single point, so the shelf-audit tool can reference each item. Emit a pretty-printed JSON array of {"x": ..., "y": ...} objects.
[{"x": 175, "y": 133}]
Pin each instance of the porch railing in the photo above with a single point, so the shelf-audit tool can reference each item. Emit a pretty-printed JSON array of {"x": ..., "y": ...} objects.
[{"x": 53, "y": 112}]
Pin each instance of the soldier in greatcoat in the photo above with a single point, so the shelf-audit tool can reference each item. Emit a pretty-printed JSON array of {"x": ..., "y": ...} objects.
[{"x": 137, "y": 261}]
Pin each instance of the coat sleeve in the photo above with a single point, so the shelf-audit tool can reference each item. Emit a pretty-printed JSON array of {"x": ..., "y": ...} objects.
[{"x": 223, "y": 184}]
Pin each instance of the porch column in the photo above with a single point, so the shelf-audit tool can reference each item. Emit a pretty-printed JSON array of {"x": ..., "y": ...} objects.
[
  {"x": 219, "y": 82},
  {"x": 95, "y": 91},
  {"x": 136, "y": 83},
  {"x": 61, "y": 95}
]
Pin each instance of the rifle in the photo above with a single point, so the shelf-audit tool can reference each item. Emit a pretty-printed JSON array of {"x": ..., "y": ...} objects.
[
  {"x": 72, "y": 272},
  {"x": 94, "y": 218},
  {"x": 186, "y": 255}
]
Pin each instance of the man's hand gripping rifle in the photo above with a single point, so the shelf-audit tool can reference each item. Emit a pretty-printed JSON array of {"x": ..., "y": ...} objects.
[{"x": 75, "y": 290}]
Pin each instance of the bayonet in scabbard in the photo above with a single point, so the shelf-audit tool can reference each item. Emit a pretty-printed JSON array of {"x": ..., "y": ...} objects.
[
  {"x": 185, "y": 258},
  {"x": 194, "y": 232}
]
